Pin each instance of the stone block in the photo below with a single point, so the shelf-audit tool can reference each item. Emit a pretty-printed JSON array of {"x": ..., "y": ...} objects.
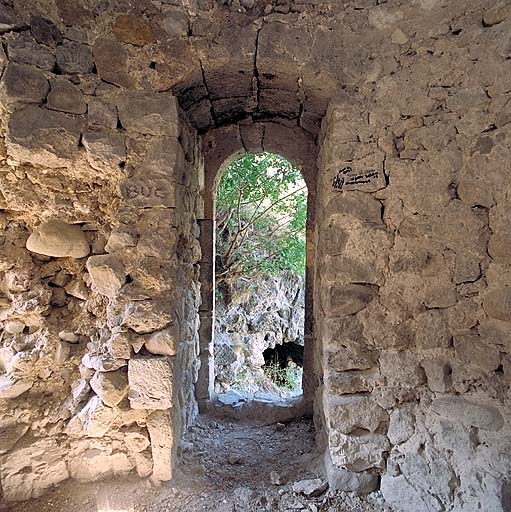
[
  {"x": 96, "y": 418},
  {"x": 111, "y": 60},
  {"x": 149, "y": 113},
  {"x": 457, "y": 409},
  {"x": 24, "y": 83},
  {"x": 159, "y": 425},
  {"x": 341, "y": 479},
  {"x": 133, "y": 29},
  {"x": 497, "y": 303},
  {"x": 350, "y": 382},
  {"x": 111, "y": 387},
  {"x": 105, "y": 150},
  {"x": 341, "y": 300},
  {"x": 401, "y": 425},
  {"x": 65, "y": 97},
  {"x": 12, "y": 388},
  {"x": 146, "y": 316},
  {"x": 164, "y": 342},
  {"x": 346, "y": 414},
  {"x": 45, "y": 31},
  {"x": 58, "y": 239},
  {"x": 11, "y": 431},
  {"x": 37, "y": 136},
  {"x": 150, "y": 383},
  {"x": 438, "y": 375},
  {"x": 101, "y": 114},
  {"x": 149, "y": 191},
  {"x": 74, "y": 58},
  {"x": 358, "y": 452},
  {"x": 25, "y": 50},
  {"x": 432, "y": 330},
  {"x": 164, "y": 156},
  {"x": 107, "y": 274},
  {"x": 472, "y": 350}
]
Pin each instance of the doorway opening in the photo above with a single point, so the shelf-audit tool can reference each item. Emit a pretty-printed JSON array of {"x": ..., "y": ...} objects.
[{"x": 260, "y": 267}]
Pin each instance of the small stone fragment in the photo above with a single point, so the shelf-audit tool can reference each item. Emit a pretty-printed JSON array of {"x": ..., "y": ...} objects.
[
  {"x": 310, "y": 488},
  {"x": 111, "y": 387},
  {"x": 58, "y": 239},
  {"x": 14, "y": 326},
  {"x": 107, "y": 274},
  {"x": 235, "y": 459},
  {"x": 64, "y": 96},
  {"x": 69, "y": 337},
  {"x": 12, "y": 388}
]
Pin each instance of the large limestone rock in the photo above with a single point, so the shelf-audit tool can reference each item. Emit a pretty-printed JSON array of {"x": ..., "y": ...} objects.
[
  {"x": 349, "y": 413},
  {"x": 43, "y": 137},
  {"x": 59, "y": 239},
  {"x": 111, "y": 387},
  {"x": 150, "y": 383},
  {"x": 107, "y": 274},
  {"x": 163, "y": 342}
]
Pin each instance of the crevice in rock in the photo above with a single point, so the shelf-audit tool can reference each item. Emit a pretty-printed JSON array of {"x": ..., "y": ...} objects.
[{"x": 208, "y": 95}]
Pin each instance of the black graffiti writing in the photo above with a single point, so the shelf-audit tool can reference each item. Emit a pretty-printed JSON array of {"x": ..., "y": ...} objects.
[{"x": 343, "y": 178}]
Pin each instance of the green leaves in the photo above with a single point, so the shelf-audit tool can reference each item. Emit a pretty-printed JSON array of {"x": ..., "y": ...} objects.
[{"x": 261, "y": 215}]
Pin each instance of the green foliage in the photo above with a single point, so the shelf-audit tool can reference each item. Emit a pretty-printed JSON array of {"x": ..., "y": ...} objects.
[
  {"x": 287, "y": 378},
  {"x": 261, "y": 215}
]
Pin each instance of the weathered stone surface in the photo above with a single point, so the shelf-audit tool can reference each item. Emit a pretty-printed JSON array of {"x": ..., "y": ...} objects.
[
  {"x": 37, "y": 135},
  {"x": 153, "y": 114},
  {"x": 12, "y": 388},
  {"x": 310, "y": 488},
  {"x": 163, "y": 342},
  {"x": 45, "y": 32},
  {"x": 112, "y": 62},
  {"x": 148, "y": 316},
  {"x": 149, "y": 191},
  {"x": 358, "y": 452},
  {"x": 346, "y": 300},
  {"x": 159, "y": 425},
  {"x": 340, "y": 479},
  {"x": 497, "y": 304},
  {"x": 111, "y": 387},
  {"x": 132, "y": 29},
  {"x": 58, "y": 239},
  {"x": 65, "y": 97},
  {"x": 107, "y": 274},
  {"x": 11, "y": 432},
  {"x": 432, "y": 330},
  {"x": 349, "y": 413},
  {"x": 25, "y": 50},
  {"x": 31, "y": 470},
  {"x": 401, "y": 426},
  {"x": 106, "y": 150},
  {"x": 472, "y": 350},
  {"x": 150, "y": 383},
  {"x": 458, "y": 409},
  {"x": 74, "y": 58},
  {"x": 101, "y": 114},
  {"x": 96, "y": 418},
  {"x": 24, "y": 83},
  {"x": 438, "y": 375}
]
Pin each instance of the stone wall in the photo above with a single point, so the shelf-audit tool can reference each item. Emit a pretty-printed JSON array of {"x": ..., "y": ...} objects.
[
  {"x": 412, "y": 283},
  {"x": 100, "y": 194},
  {"x": 413, "y": 269}
]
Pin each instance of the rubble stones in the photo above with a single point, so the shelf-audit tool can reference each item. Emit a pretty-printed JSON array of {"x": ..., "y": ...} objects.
[
  {"x": 58, "y": 239},
  {"x": 163, "y": 342},
  {"x": 107, "y": 274},
  {"x": 24, "y": 83},
  {"x": 311, "y": 488},
  {"x": 150, "y": 383},
  {"x": 96, "y": 418},
  {"x": 132, "y": 29},
  {"x": 12, "y": 388},
  {"x": 25, "y": 50}
]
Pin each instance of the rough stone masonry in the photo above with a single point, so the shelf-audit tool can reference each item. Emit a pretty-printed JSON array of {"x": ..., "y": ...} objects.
[{"x": 112, "y": 114}]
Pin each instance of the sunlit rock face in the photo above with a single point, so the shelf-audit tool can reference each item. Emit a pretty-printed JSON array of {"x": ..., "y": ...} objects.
[{"x": 103, "y": 110}]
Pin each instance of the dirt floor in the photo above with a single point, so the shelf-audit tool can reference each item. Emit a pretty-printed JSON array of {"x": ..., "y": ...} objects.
[{"x": 226, "y": 466}]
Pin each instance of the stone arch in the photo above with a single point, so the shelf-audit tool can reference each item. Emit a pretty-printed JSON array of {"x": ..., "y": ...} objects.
[{"x": 221, "y": 146}]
